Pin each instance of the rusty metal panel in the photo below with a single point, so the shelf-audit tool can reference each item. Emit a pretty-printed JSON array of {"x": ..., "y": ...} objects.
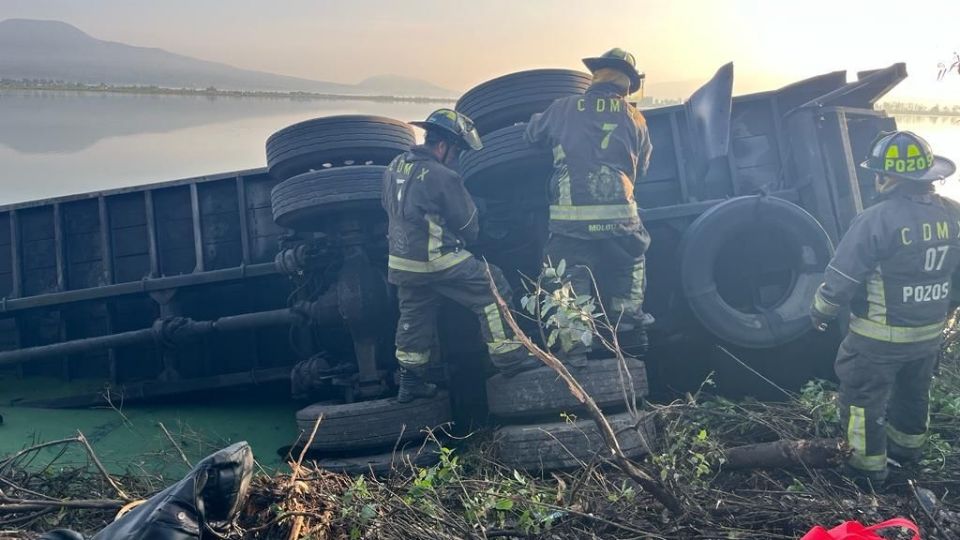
[
  {"x": 128, "y": 228},
  {"x": 264, "y": 233},
  {"x": 38, "y": 248},
  {"x": 220, "y": 224},
  {"x": 174, "y": 225},
  {"x": 83, "y": 243}
]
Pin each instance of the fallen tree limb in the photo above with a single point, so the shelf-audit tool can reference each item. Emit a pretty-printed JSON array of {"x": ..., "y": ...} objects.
[
  {"x": 14, "y": 506},
  {"x": 812, "y": 453},
  {"x": 631, "y": 469}
]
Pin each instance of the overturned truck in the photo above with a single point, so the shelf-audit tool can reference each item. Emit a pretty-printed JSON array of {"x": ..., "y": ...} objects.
[{"x": 238, "y": 279}]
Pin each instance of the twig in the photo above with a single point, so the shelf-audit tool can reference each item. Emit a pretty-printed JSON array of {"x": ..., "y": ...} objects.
[
  {"x": 303, "y": 451},
  {"x": 6, "y": 462},
  {"x": 946, "y": 534},
  {"x": 96, "y": 462},
  {"x": 23, "y": 489},
  {"x": 755, "y": 372},
  {"x": 175, "y": 445},
  {"x": 636, "y": 473}
]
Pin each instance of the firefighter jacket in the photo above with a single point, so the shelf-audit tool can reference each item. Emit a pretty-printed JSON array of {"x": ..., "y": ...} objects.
[
  {"x": 432, "y": 216},
  {"x": 600, "y": 146},
  {"x": 893, "y": 268}
]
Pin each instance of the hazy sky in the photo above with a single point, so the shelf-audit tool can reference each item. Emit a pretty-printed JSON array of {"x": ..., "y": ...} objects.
[{"x": 458, "y": 43}]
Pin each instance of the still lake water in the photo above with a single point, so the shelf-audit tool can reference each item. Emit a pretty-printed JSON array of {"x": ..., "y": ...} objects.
[{"x": 60, "y": 143}]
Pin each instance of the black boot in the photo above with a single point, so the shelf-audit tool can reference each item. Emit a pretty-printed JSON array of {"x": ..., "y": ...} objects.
[
  {"x": 412, "y": 385},
  {"x": 903, "y": 455},
  {"x": 866, "y": 480}
]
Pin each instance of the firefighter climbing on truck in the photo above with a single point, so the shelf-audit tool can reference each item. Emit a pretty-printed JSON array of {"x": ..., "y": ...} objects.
[
  {"x": 431, "y": 220},
  {"x": 893, "y": 270},
  {"x": 601, "y": 146}
]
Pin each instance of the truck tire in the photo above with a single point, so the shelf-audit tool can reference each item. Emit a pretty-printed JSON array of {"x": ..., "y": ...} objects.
[
  {"x": 382, "y": 464},
  {"x": 566, "y": 445},
  {"x": 298, "y": 203},
  {"x": 540, "y": 391},
  {"x": 379, "y": 423},
  {"x": 334, "y": 141},
  {"x": 505, "y": 161},
  {"x": 719, "y": 243},
  {"x": 512, "y": 98}
]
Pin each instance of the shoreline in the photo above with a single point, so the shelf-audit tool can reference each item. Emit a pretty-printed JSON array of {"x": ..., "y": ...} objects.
[
  {"x": 215, "y": 93},
  {"x": 921, "y": 114}
]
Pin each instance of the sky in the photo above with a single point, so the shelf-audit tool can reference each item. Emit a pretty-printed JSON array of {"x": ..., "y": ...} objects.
[{"x": 458, "y": 43}]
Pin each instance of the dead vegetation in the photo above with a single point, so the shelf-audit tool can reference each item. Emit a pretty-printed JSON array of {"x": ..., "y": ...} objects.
[{"x": 468, "y": 495}]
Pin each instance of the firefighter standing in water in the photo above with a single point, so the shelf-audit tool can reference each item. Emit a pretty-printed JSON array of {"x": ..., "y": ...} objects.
[
  {"x": 431, "y": 219},
  {"x": 893, "y": 269},
  {"x": 600, "y": 148}
]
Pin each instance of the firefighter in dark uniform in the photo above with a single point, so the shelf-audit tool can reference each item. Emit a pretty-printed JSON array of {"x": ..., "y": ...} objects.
[
  {"x": 432, "y": 218},
  {"x": 893, "y": 269},
  {"x": 600, "y": 148}
]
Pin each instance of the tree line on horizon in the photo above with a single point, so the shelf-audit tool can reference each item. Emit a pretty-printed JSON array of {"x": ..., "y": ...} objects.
[{"x": 210, "y": 91}]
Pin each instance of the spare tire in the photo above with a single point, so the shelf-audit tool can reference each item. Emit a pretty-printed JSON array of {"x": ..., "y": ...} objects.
[
  {"x": 566, "y": 445},
  {"x": 505, "y": 160},
  {"x": 300, "y": 202},
  {"x": 750, "y": 267},
  {"x": 512, "y": 98},
  {"x": 379, "y": 423},
  {"x": 334, "y": 141},
  {"x": 541, "y": 391}
]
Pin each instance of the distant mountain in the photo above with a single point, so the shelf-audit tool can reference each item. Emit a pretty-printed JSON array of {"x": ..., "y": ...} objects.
[
  {"x": 54, "y": 50},
  {"x": 399, "y": 85}
]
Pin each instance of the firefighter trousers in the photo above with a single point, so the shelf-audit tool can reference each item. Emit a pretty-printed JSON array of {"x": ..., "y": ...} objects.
[
  {"x": 884, "y": 399},
  {"x": 468, "y": 285},
  {"x": 618, "y": 265}
]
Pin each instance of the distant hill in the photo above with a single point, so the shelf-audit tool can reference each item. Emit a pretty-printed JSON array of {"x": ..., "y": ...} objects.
[{"x": 54, "y": 50}]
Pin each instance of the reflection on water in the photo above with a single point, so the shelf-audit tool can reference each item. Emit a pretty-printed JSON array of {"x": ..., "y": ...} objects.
[
  {"x": 59, "y": 143},
  {"x": 943, "y": 134},
  {"x": 64, "y": 123}
]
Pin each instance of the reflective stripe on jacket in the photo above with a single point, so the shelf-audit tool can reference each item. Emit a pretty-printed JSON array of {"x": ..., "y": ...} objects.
[
  {"x": 431, "y": 215},
  {"x": 893, "y": 268},
  {"x": 600, "y": 147}
]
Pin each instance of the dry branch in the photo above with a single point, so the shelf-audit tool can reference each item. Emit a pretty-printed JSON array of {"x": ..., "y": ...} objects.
[
  {"x": 648, "y": 482},
  {"x": 813, "y": 453}
]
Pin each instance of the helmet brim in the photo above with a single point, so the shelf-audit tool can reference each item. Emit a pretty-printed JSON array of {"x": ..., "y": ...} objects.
[
  {"x": 942, "y": 168},
  {"x": 636, "y": 78},
  {"x": 468, "y": 141}
]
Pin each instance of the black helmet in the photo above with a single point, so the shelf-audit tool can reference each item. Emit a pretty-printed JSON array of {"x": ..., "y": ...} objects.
[
  {"x": 452, "y": 123},
  {"x": 904, "y": 154},
  {"x": 619, "y": 60}
]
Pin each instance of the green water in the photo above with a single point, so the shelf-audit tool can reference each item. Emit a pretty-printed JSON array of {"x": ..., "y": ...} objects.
[{"x": 129, "y": 437}]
